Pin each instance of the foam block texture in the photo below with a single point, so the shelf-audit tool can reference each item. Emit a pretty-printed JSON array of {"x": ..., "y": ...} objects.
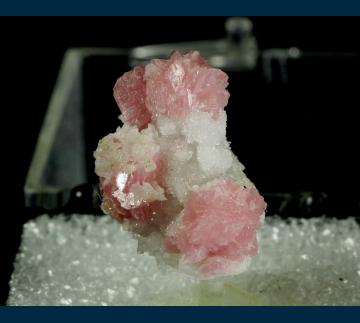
[{"x": 88, "y": 260}]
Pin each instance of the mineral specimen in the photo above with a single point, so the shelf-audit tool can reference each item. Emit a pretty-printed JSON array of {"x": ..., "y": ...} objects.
[{"x": 170, "y": 168}]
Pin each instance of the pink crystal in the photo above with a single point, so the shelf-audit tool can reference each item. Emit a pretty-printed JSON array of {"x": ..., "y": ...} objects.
[
  {"x": 184, "y": 83},
  {"x": 172, "y": 87},
  {"x": 130, "y": 182},
  {"x": 170, "y": 168},
  {"x": 129, "y": 93},
  {"x": 217, "y": 229}
]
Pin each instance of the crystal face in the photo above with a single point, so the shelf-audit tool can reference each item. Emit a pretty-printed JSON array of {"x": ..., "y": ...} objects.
[{"x": 169, "y": 168}]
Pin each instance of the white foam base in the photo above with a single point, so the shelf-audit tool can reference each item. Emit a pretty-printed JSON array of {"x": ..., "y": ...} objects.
[{"x": 95, "y": 261}]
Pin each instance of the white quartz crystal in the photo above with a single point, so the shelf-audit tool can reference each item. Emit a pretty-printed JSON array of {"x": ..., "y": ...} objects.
[{"x": 87, "y": 260}]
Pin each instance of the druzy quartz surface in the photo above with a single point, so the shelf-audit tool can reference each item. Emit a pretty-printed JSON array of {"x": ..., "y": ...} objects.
[
  {"x": 170, "y": 169},
  {"x": 88, "y": 260}
]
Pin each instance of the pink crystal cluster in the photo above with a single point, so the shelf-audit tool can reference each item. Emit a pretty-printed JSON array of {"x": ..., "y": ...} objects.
[{"x": 170, "y": 169}]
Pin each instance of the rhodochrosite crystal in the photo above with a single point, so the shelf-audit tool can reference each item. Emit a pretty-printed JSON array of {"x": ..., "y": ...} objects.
[{"x": 170, "y": 168}]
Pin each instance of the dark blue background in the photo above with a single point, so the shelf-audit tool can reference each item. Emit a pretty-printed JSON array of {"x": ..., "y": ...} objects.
[
  {"x": 181, "y": 314},
  {"x": 184, "y": 7}
]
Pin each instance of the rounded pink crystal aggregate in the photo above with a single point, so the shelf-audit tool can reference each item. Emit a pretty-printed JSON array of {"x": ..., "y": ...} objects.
[
  {"x": 130, "y": 167},
  {"x": 181, "y": 84},
  {"x": 173, "y": 87},
  {"x": 144, "y": 210},
  {"x": 218, "y": 226},
  {"x": 214, "y": 227}
]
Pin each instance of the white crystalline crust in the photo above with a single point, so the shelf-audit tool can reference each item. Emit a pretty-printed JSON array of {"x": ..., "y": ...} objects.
[
  {"x": 132, "y": 143},
  {"x": 87, "y": 260},
  {"x": 196, "y": 152}
]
